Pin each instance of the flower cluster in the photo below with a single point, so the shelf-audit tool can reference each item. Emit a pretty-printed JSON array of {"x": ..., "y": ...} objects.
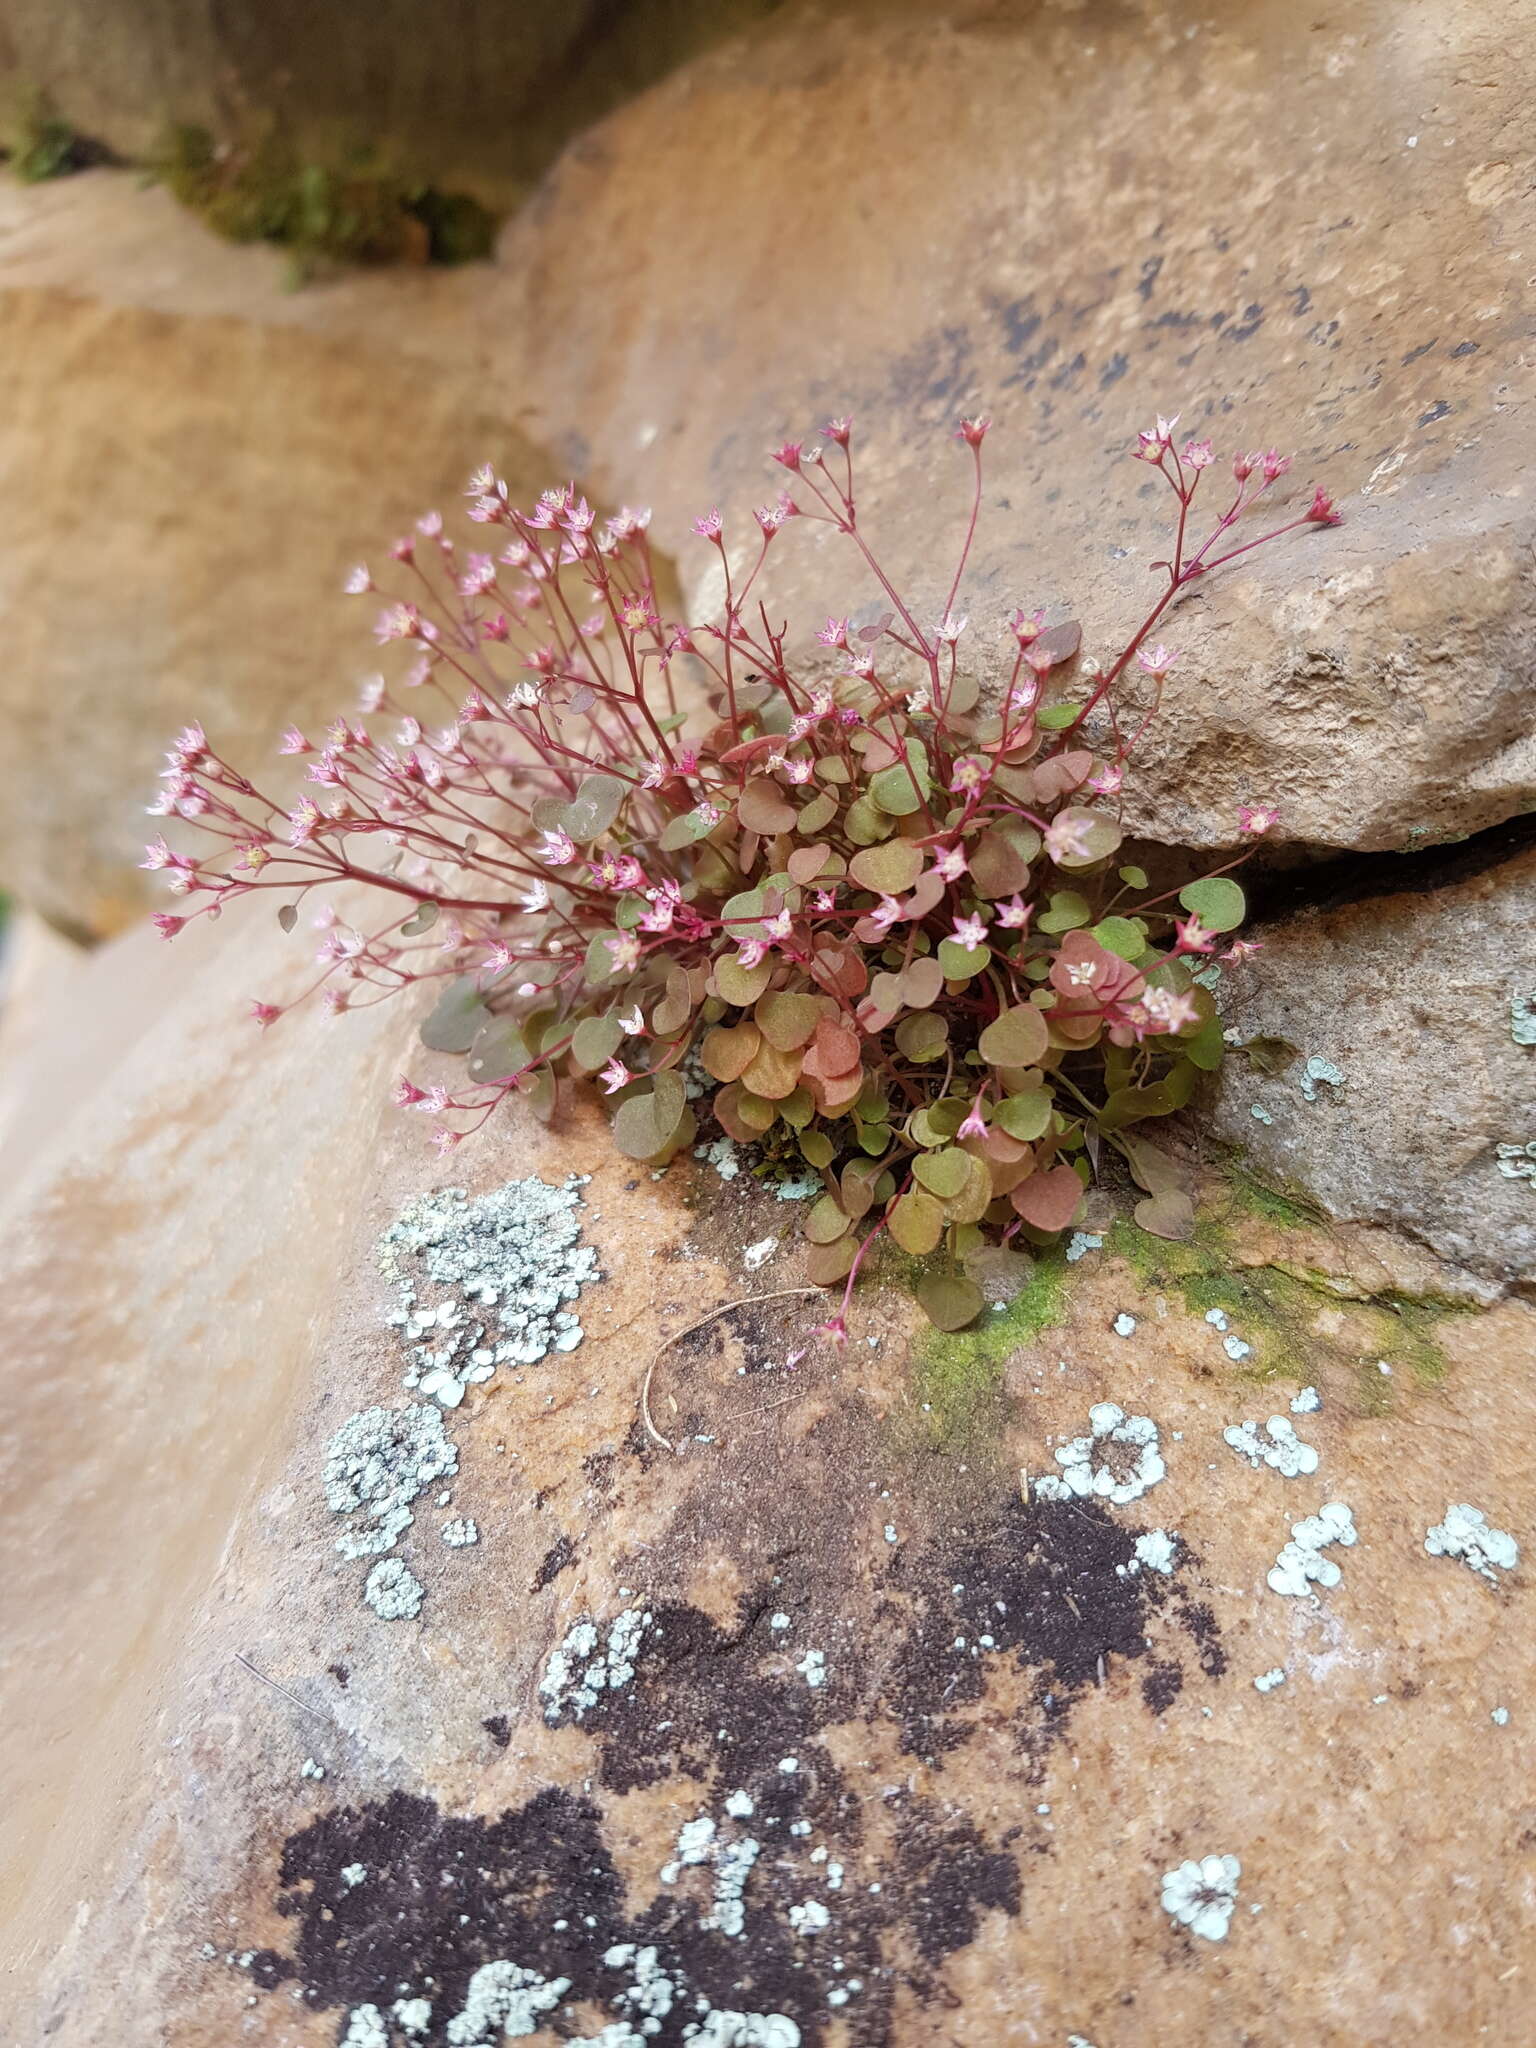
[{"x": 883, "y": 910}]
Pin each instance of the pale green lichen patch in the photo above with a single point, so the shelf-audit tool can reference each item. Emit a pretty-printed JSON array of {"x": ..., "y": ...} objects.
[{"x": 958, "y": 1377}]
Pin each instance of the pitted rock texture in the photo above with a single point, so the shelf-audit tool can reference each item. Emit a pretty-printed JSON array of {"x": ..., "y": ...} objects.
[
  {"x": 1283, "y": 226},
  {"x": 1414, "y": 1001}
]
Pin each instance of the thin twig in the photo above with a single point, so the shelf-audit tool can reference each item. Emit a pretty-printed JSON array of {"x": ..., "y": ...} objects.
[
  {"x": 318, "y": 1713},
  {"x": 746, "y": 1301}
]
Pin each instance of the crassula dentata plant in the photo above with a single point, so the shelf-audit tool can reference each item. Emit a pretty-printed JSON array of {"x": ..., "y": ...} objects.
[{"x": 884, "y": 914}]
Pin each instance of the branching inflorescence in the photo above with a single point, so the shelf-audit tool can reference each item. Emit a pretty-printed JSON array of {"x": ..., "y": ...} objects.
[{"x": 881, "y": 910}]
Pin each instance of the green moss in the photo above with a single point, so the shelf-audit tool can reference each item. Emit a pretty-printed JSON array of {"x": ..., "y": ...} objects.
[
  {"x": 1289, "y": 1212},
  {"x": 1274, "y": 1309},
  {"x": 361, "y": 212},
  {"x": 958, "y": 1378},
  {"x": 44, "y": 145}
]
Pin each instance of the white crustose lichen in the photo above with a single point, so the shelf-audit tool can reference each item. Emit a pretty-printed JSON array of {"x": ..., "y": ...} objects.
[
  {"x": 1301, "y": 1564},
  {"x": 1117, "y": 1461},
  {"x": 1200, "y": 1896},
  {"x": 1284, "y": 1453},
  {"x": 586, "y": 1665},
  {"x": 1466, "y": 1533},
  {"x": 485, "y": 1282}
]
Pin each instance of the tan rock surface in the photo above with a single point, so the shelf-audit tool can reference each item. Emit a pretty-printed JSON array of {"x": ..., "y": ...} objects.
[
  {"x": 189, "y": 463},
  {"x": 1411, "y": 1000},
  {"x": 1284, "y": 227},
  {"x": 165, "y": 1514}
]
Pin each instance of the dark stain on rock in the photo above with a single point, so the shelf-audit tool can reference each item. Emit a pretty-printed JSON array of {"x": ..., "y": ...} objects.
[
  {"x": 1423, "y": 349},
  {"x": 499, "y": 1729},
  {"x": 1113, "y": 370},
  {"x": 559, "y": 1556},
  {"x": 1437, "y": 411},
  {"x": 1048, "y": 1585},
  {"x": 1247, "y": 327},
  {"x": 1465, "y": 348},
  {"x": 949, "y": 1879},
  {"x": 1301, "y": 301},
  {"x": 1162, "y": 1686},
  {"x": 1149, "y": 276},
  {"x": 537, "y": 1886}
]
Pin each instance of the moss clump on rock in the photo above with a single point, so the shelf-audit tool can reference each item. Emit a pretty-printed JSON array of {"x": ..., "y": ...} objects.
[
  {"x": 958, "y": 1376},
  {"x": 262, "y": 190}
]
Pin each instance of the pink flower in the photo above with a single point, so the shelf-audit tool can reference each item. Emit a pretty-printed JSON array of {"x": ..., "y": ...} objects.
[
  {"x": 445, "y": 1140},
  {"x": 972, "y": 432},
  {"x": 750, "y": 953},
  {"x": 1027, "y": 626},
  {"x": 835, "y": 1330},
  {"x": 1155, "y": 660},
  {"x": 1066, "y": 838},
  {"x": 970, "y": 932},
  {"x": 264, "y": 1013},
  {"x": 838, "y": 431},
  {"x": 1170, "y": 1009},
  {"x": 1193, "y": 937},
  {"x": 1243, "y": 467},
  {"x": 779, "y": 926},
  {"x": 406, "y": 1094},
  {"x": 1322, "y": 511},
  {"x": 294, "y": 742},
  {"x": 789, "y": 455},
  {"x": 558, "y": 850},
  {"x": 1256, "y": 819},
  {"x": 623, "y": 951},
  {"x": 950, "y": 628},
  {"x": 949, "y": 863},
  {"x": 631, "y": 1023},
  {"x": 823, "y": 900},
  {"x": 302, "y": 820},
  {"x": 1107, "y": 782},
  {"x": 799, "y": 772},
  {"x": 168, "y": 926},
  {"x": 358, "y": 581},
  {"x": 834, "y": 633},
  {"x": 708, "y": 528},
  {"x": 1014, "y": 915},
  {"x": 1273, "y": 464},
  {"x": 886, "y": 913},
  {"x": 1242, "y": 949},
  {"x": 970, "y": 775},
  {"x": 535, "y": 898},
  {"x": 975, "y": 1124},
  {"x": 615, "y": 1076}
]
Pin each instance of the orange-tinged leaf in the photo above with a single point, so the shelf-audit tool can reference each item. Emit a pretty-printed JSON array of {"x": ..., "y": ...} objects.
[{"x": 729, "y": 1050}]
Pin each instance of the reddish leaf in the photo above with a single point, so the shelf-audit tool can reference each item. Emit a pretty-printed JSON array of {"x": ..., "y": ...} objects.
[{"x": 1049, "y": 1200}]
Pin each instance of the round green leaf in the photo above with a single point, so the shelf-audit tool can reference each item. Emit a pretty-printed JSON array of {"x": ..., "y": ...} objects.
[
  {"x": 943, "y": 1173},
  {"x": 593, "y": 808},
  {"x": 949, "y": 1300},
  {"x": 826, "y": 1222},
  {"x": 890, "y": 870},
  {"x": 1126, "y": 937},
  {"x": 498, "y": 1051},
  {"x": 922, "y": 1036},
  {"x": 917, "y": 1222},
  {"x": 1067, "y": 911},
  {"x": 457, "y": 1017},
  {"x": 595, "y": 1042},
  {"x": 816, "y": 1148},
  {"x": 1018, "y": 1038},
  {"x": 1218, "y": 902},
  {"x": 959, "y": 963},
  {"x": 1025, "y": 1116}
]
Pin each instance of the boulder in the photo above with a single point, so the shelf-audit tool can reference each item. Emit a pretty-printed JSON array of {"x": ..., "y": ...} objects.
[
  {"x": 1408, "y": 1089},
  {"x": 703, "y": 1679},
  {"x": 466, "y": 97},
  {"x": 1280, "y": 228},
  {"x": 190, "y": 459}
]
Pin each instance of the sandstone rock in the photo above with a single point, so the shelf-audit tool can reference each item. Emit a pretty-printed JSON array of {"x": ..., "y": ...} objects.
[
  {"x": 189, "y": 461},
  {"x": 1021, "y": 1721},
  {"x": 1414, "y": 1003},
  {"x": 1282, "y": 228},
  {"x": 465, "y": 96}
]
